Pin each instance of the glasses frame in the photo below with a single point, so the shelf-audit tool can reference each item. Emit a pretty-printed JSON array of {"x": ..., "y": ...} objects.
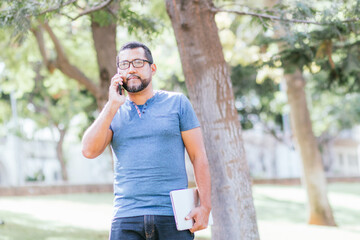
[{"x": 132, "y": 62}]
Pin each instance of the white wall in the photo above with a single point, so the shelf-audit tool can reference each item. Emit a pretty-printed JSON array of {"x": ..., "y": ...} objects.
[
  {"x": 269, "y": 158},
  {"x": 12, "y": 161},
  {"x": 346, "y": 161},
  {"x": 85, "y": 171}
]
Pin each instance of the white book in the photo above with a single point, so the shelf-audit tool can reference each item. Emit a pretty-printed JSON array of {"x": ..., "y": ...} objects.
[{"x": 183, "y": 201}]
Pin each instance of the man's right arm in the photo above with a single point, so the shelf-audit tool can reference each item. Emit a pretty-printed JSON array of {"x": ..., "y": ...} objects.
[{"x": 99, "y": 135}]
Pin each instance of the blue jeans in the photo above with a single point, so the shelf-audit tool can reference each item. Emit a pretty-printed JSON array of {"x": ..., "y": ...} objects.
[{"x": 148, "y": 227}]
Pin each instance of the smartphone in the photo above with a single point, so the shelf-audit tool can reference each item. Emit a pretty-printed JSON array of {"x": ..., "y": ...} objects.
[{"x": 119, "y": 86}]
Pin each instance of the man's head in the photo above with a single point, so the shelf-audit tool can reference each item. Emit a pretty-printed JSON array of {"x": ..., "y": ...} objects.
[
  {"x": 132, "y": 45},
  {"x": 135, "y": 63}
]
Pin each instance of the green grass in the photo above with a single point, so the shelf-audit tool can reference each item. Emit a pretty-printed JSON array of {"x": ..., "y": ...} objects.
[
  {"x": 288, "y": 203},
  {"x": 25, "y": 227},
  {"x": 279, "y": 209},
  {"x": 282, "y": 212}
]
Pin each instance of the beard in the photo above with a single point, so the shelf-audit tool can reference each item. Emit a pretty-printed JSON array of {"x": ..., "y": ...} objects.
[{"x": 136, "y": 88}]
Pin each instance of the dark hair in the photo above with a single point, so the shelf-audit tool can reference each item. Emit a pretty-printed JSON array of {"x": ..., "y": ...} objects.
[{"x": 132, "y": 45}]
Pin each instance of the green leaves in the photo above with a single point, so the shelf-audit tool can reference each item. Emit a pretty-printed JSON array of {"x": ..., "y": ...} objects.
[
  {"x": 16, "y": 16},
  {"x": 103, "y": 18},
  {"x": 137, "y": 23},
  {"x": 20, "y": 15},
  {"x": 326, "y": 48},
  {"x": 293, "y": 58},
  {"x": 55, "y": 100},
  {"x": 303, "y": 11},
  {"x": 256, "y": 101}
]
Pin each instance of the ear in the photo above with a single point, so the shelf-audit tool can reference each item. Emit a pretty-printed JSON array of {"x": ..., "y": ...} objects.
[{"x": 153, "y": 69}]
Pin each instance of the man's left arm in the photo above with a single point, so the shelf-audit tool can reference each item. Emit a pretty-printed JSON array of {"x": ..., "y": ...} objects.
[{"x": 194, "y": 144}]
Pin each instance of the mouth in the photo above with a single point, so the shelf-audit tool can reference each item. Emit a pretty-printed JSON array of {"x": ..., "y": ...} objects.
[{"x": 132, "y": 78}]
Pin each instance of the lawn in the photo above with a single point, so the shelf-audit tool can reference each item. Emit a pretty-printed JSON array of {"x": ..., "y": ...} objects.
[{"x": 281, "y": 214}]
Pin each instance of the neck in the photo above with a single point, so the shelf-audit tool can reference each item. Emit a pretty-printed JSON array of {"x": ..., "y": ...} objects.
[{"x": 140, "y": 98}]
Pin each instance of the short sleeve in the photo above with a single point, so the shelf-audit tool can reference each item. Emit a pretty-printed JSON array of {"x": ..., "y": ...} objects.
[{"x": 188, "y": 119}]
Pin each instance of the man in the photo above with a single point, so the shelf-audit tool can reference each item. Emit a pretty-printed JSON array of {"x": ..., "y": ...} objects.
[{"x": 148, "y": 131}]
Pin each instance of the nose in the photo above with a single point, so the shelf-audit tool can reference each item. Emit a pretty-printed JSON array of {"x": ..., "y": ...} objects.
[{"x": 131, "y": 69}]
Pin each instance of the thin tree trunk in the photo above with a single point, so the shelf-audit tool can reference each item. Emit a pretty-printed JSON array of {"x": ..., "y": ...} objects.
[
  {"x": 61, "y": 61},
  {"x": 60, "y": 155},
  {"x": 105, "y": 46},
  {"x": 209, "y": 85},
  {"x": 314, "y": 176},
  {"x": 314, "y": 179}
]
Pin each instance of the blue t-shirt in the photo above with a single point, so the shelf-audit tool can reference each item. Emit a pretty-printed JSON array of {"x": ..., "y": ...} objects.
[{"x": 149, "y": 153}]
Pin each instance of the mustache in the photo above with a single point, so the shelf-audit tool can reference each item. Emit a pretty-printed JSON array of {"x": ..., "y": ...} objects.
[{"x": 132, "y": 75}]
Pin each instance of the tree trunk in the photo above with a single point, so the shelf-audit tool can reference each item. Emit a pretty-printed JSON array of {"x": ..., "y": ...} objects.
[
  {"x": 314, "y": 176},
  {"x": 60, "y": 155},
  {"x": 210, "y": 89},
  {"x": 314, "y": 179},
  {"x": 105, "y": 45}
]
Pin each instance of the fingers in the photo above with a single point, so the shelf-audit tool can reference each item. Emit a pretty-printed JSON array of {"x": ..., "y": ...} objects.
[
  {"x": 117, "y": 79},
  {"x": 115, "y": 88},
  {"x": 200, "y": 220},
  {"x": 116, "y": 83},
  {"x": 190, "y": 216},
  {"x": 198, "y": 226}
]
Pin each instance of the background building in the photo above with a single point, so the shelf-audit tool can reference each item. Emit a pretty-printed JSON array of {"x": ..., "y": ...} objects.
[{"x": 25, "y": 162}]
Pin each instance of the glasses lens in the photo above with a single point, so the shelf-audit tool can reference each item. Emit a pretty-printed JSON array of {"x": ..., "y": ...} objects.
[
  {"x": 124, "y": 65},
  {"x": 138, "y": 63}
]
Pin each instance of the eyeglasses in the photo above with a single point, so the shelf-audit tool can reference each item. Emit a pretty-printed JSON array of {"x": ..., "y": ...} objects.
[{"x": 137, "y": 63}]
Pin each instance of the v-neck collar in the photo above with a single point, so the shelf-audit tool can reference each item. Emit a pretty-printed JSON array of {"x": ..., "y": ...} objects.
[{"x": 145, "y": 105}]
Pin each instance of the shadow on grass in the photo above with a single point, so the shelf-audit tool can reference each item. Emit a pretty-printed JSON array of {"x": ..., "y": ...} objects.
[
  {"x": 347, "y": 188},
  {"x": 270, "y": 209},
  {"x": 89, "y": 198},
  {"x": 24, "y": 227},
  {"x": 347, "y": 217}
]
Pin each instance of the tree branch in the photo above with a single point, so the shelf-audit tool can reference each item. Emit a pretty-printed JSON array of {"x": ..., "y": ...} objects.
[
  {"x": 85, "y": 12},
  {"x": 57, "y": 8},
  {"x": 38, "y": 33},
  {"x": 93, "y": 9},
  {"x": 64, "y": 65},
  {"x": 276, "y": 18}
]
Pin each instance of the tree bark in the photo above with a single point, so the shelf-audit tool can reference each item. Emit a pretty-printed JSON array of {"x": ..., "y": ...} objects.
[
  {"x": 105, "y": 45},
  {"x": 314, "y": 175},
  {"x": 60, "y": 155},
  {"x": 210, "y": 89}
]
